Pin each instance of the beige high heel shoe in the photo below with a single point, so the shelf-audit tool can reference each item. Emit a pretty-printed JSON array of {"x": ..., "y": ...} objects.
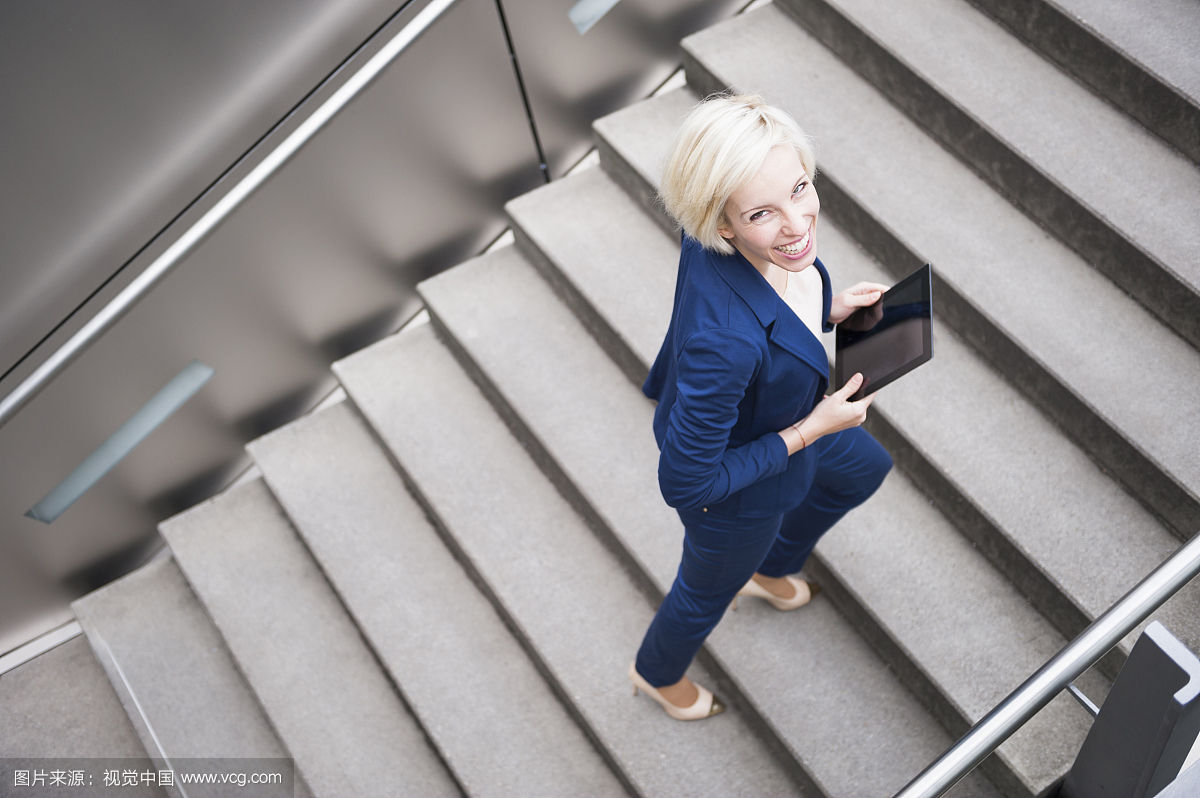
[
  {"x": 804, "y": 592},
  {"x": 705, "y": 706}
]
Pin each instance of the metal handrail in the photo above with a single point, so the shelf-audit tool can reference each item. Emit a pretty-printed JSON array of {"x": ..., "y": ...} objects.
[
  {"x": 121, "y": 304},
  {"x": 1079, "y": 655}
]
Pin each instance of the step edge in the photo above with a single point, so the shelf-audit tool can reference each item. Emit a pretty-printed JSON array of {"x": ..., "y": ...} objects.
[
  {"x": 556, "y": 684},
  {"x": 728, "y": 686},
  {"x": 1139, "y": 90},
  {"x": 129, "y": 701},
  {"x": 727, "y": 681},
  {"x": 365, "y": 628},
  {"x": 1039, "y": 195},
  {"x": 259, "y": 485},
  {"x": 1158, "y": 490},
  {"x": 1004, "y": 551}
]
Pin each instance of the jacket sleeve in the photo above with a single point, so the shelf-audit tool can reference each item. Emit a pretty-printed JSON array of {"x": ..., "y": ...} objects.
[{"x": 697, "y": 466}]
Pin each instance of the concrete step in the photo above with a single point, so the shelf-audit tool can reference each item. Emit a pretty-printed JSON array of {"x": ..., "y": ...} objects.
[
  {"x": 997, "y": 638},
  {"x": 331, "y": 704},
  {"x": 579, "y": 614},
  {"x": 591, "y": 428},
  {"x": 175, "y": 677},
  {"x": 60, "y": 711},
  {"x": 1139, "y": 56},
  {"x": 954, "y": 629},
  {"x": 1062, "y": 560},
  {"x": 1073, "y": 342},
  {"x": 997, "y": 489},
  {"x": 460, "y": 669},
  {"x": 1042, "y": 139},
  {"x": 1016, "y": 486},
  {"x": 629, "y": 324}
]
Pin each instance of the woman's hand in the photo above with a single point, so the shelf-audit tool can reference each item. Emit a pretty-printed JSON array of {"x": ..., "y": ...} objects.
[
  {"x": 853, "y": 298},
  {"x": 832, "y": 414}
]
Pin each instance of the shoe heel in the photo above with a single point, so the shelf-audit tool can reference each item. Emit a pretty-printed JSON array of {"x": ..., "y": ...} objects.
[
  {"x": 752, "y": 588},
  {"x": 705, "y": 706}
]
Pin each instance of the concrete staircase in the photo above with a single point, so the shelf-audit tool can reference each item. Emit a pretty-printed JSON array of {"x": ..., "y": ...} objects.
[{"x": 435, "y": 586}]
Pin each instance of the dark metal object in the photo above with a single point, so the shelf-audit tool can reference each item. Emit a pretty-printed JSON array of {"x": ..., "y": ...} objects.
[
  {"x": 1083, "y": 700},
  {"x": 1187, "y": 785},
  {"x": 1147, "y": 725},
  {"x": 1037, "y": 691}
]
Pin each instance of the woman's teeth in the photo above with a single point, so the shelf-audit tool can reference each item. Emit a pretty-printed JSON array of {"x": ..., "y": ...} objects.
[{"x": 797, "y": 248}]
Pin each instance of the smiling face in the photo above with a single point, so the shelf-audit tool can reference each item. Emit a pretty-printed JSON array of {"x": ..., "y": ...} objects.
[{"x": 772, "y": 219}]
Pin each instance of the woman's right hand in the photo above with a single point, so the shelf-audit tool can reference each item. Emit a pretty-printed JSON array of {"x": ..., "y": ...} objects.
[{"x": 832, "y": 414}]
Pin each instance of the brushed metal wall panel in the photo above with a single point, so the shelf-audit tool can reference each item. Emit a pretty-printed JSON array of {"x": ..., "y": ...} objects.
[
  {"x": 573, "y": 78},
  {"x": 119, "y": 113},
  {"x": 410, "y": 178}
]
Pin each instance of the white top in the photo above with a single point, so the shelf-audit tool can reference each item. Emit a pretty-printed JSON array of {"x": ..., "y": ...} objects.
[{"x": 803, "y": 295}]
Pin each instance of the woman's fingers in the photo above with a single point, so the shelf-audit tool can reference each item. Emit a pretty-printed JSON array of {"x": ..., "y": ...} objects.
[
  {"x": 857, "y": 408},
  {"x": 860, "y": 299},
  {"x": 867, "y": 288},
  {"x": 863, "y": 300},
  {"x": 846, "y": 391},
  {"x": 863, "y": 294},
  {"x": 836, "y": 412}
]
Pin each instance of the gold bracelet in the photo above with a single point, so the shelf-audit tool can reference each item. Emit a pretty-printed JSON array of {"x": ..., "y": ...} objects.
[{"x": 796, "y": 426}]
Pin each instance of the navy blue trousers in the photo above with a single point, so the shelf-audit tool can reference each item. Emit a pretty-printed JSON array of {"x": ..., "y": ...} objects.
[{"x": 721, "y": 553}]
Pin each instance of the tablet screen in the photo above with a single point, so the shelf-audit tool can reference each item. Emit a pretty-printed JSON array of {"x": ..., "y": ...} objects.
[{"x": 887, "y": 340}]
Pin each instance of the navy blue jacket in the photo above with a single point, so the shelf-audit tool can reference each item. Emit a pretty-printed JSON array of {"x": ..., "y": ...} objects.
[{"x": 737, "y": 366}]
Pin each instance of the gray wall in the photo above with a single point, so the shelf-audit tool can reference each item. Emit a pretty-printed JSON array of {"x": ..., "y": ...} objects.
[{"x": 126, "y": 119}]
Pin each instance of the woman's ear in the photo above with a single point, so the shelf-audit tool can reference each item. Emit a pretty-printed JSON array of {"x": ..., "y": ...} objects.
[{"x": 723, "y": 228}]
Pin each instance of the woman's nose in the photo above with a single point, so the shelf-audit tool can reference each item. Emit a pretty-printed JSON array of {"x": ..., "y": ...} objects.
[{"x": 796, "y": 220}]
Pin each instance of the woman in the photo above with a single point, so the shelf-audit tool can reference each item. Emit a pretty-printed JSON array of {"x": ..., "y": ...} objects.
[{"x": 755, "y": 459}]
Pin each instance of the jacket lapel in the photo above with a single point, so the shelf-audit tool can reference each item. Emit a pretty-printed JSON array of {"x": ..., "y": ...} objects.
[
  {"x": 784, "y": 328},
  {"x": 791, "y": 334}
]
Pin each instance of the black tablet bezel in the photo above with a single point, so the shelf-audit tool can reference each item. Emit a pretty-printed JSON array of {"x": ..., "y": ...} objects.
[{"x": 924, "y": 275}]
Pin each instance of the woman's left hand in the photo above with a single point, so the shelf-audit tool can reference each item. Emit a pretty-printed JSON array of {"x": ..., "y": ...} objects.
[{"x": 855, "y": 297}]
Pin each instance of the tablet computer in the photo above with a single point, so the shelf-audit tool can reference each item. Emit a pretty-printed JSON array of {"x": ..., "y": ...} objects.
[{"x": 890, "y": 338}]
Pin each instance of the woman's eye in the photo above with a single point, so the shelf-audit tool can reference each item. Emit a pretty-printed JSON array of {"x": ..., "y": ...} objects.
[
  {"x": 799, "y": 187},
  {"x": 758, "y": 216}
]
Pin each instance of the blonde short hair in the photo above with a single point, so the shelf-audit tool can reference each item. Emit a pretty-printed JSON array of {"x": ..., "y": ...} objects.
[{"x": 720, "y": 147}]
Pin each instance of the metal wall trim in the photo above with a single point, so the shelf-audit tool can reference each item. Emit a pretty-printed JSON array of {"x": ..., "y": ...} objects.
[{"x": 512, "y": 54}]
